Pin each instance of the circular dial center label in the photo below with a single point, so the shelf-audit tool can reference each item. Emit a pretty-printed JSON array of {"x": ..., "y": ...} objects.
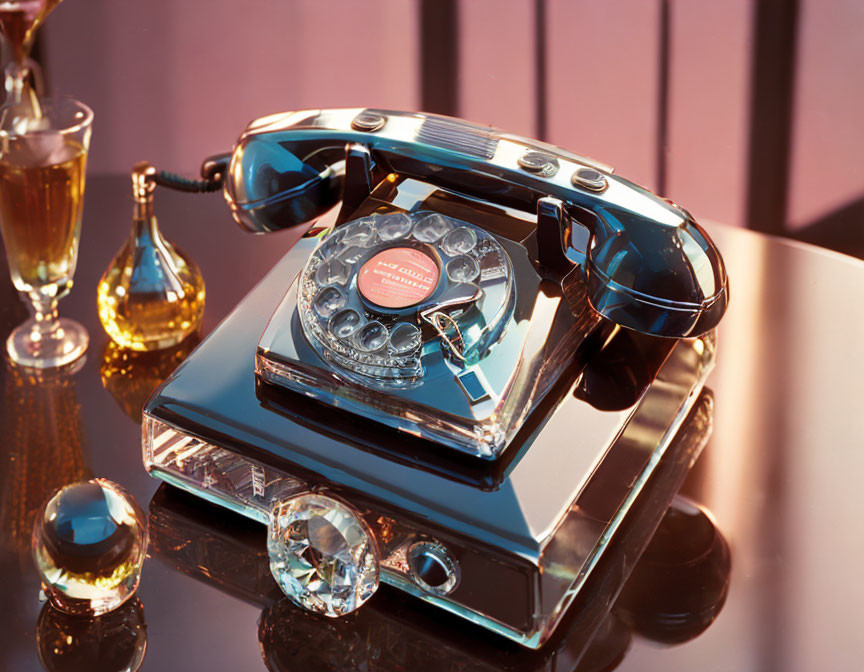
[{"x": 398, "y": 277}]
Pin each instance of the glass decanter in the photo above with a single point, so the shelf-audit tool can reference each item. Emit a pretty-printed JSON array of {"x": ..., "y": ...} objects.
[{"x": 151, "y": 296}]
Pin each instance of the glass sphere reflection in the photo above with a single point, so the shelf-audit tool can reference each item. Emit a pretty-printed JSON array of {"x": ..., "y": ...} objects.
[
  {"x": 89, "y": 543},
  {"x": 114, "y": 642}
]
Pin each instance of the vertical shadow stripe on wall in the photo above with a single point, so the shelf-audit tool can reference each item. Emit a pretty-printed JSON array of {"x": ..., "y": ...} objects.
[
  {"x": 772, "y": 86},
  {"x": 662, "y": 148},
  {"x": 439, "y": 56}
]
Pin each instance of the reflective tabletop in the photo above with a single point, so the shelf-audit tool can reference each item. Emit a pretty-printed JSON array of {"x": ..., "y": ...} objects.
[{"x": 755, "y": 567}]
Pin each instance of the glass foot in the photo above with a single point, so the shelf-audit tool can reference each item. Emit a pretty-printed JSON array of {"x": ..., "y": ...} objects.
[{"x": 31, "y": 344}]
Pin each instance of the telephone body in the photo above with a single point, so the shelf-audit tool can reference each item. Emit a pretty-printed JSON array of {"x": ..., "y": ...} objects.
[{"x": 483, "y": 346}]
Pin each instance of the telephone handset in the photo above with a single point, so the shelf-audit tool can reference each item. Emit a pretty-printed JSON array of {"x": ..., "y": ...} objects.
[{"x": 647, "y": 265}]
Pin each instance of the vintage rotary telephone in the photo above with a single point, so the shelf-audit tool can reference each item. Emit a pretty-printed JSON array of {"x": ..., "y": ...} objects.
[
  {"x": 483, "y": 295},
  {"x": 643, "y": 262}
]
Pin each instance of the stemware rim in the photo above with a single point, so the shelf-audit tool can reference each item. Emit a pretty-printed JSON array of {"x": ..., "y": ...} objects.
[{"x": 65, "y": 130}]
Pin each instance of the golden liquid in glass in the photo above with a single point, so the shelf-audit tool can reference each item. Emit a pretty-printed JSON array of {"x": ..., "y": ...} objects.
[{"x": 41, "y": 200}]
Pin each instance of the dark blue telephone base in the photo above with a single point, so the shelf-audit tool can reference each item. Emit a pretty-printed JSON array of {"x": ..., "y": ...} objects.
[{"x": 648, "y": 266}]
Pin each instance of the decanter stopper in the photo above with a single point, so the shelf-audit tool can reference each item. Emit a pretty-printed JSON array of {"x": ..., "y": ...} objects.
[{"x": 152, "y": 294}]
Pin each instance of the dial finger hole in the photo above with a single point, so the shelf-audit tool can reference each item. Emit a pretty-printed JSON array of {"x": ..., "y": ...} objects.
[
  {"x": 352, "y": 254},
  {"x": 331, "y": 272},
  {"x": 404, "y": 338},
  {"x": 462, "y": 269},
  {"x": 344, "y": 323},
  {"x": 371, "y": 336},
  {"x": 431, "y": 228},
  {"x": 361, "y": 233},
  {"x": 327, "y": 301},
  {"x": 459, "y": 241},
  {"x": 330, "y": 248},
  {"x": 394, "y": 227}
]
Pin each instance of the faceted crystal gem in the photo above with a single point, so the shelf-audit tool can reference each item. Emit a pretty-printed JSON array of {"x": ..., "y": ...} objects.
[
  {"x": 322, "y": 554},
  {"x": 89, "y": 544}
]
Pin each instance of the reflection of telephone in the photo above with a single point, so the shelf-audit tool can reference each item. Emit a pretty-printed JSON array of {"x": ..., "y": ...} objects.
[
  {"x": 469, "y": 294},
  {"x": 688, "y": 553}
]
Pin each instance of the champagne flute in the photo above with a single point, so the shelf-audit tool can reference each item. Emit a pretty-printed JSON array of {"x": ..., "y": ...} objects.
[{"x": 42, "y": 168}]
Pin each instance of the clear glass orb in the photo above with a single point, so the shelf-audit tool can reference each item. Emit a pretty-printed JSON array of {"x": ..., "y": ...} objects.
[{"x": 89, "y": 543}]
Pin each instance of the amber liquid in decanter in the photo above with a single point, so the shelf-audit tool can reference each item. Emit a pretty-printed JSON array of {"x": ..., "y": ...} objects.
[{"x": 151, "y": 296}]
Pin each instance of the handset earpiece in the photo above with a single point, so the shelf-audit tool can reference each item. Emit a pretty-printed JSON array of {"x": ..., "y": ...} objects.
[
  {"x": 278, "y": 183},
  {"x": 660, "y": 275}
]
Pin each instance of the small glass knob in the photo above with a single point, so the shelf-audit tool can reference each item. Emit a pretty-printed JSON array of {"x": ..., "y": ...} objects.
[
  {"x": 322, "y": 554},
  {"x": 89, "y": 543},
  {"x": 433, "y": 568}
]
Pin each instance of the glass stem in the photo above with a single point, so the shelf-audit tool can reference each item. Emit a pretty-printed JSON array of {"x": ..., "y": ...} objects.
[{"x": 47, "y": 319}]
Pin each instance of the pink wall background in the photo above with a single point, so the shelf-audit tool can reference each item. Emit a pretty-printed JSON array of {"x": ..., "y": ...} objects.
[
  {"x": 497, "y": 83},
  {"x": 709, "y": 105},
  {"x": 172, "y": 82},
  {"x": 175, "y": 81},
  {"x": 828, "y": 124}
]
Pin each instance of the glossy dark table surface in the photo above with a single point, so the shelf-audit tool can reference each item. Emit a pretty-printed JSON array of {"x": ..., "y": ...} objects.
[{"x": 782, "y": 473}]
